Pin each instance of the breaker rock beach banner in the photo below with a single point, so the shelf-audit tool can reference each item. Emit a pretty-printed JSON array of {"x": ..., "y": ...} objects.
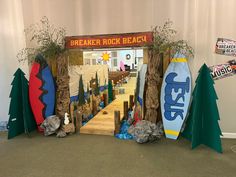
[{"x": 225, "y": 47}]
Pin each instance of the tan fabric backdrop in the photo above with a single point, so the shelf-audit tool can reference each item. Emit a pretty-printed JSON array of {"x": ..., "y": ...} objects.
[{"x": 200, "y": 22}]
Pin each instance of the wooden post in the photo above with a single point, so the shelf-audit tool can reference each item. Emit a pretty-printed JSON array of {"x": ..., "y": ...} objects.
[
  {"x": 78, "y": 123},
  {"x": 114, "y": 94},
  {"x": 94, "y": 106},
  {"x": 131, "y": 102},
  {"x": 126, "y": 108},
  {"x": 105, "y": 99},
  {"x": 72, "y": 112},
  {"x": 80, "y": 120},
  {"x": 117, "y": 121},
  {"x": 145, "y": 56}
]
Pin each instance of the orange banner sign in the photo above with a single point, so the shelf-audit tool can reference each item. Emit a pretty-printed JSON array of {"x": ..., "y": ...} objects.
[{"x": 109, "y": 41}]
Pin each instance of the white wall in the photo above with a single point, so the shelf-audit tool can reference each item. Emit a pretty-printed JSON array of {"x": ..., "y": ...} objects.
[
  {"x": 113, "y": 16},
  {"x": 60, "y": 13},
  {"x": 11, "y": 41},
  {"x": 15, "y": 16},
  {"x": 200, "y": 22}
]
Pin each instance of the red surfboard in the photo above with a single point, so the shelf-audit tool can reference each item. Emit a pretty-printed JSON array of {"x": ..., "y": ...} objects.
[{"x": 35, "y": 92}]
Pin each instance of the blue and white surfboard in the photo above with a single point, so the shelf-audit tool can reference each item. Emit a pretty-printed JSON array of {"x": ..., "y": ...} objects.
[{"x": 175, "y": 95}]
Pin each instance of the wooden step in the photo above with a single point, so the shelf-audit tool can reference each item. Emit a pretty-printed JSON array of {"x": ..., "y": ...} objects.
[{"x": 98, "y": 129}]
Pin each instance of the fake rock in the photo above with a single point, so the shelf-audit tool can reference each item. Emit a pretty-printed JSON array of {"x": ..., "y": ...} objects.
[
  {"x": 50, "y": 125},
  {"x": 146, "y": 131}
]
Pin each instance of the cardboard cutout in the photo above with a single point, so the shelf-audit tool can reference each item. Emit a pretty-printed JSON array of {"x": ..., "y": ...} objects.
[
  {"x": 21, "y": 118},
  {"x": 202, "y": 125}
]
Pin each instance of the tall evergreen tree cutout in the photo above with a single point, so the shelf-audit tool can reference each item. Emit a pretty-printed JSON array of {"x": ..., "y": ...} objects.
[
  {"x": 202, "y": 125},
  {"x": 96, "y": 91},
  {"x": 21, "y": 117},
  {"x": 81, "y": 92},
  {"x": 88, "y": 94},
  {"x": 110, "y": 91}
]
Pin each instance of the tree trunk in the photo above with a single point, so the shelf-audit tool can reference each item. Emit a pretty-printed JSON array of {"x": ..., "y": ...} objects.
[
  {"x": 62, "y": 80},
  {"x": 152, "y": 92},
  {"x": 52, "y": 62}
]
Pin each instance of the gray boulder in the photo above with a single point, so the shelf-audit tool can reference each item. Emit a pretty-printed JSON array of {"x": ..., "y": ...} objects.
[
  {"x": 50, "y": 125},
  {"x": 146, "y": 131}
]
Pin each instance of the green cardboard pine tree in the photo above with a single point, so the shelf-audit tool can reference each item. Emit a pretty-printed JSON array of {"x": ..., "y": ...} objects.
[
  {"x": 81, "y": 92},
  {"x": 21, "y": 118},
  {"x": 29, "y": 121},
  {"x": 96, "y": 91},
  {"x": 202, "y": 125},
  {"x": 88, "y": 94},
  {"x": 110, "y": 91}
]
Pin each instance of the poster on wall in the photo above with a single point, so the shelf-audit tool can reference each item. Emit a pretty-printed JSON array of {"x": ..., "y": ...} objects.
[
  {"x": 225, "y": 47},
  {"x": 223, "y": 70}
]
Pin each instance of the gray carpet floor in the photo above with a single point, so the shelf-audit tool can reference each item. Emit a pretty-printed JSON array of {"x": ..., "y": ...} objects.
[{"x": 106, "y": 156}]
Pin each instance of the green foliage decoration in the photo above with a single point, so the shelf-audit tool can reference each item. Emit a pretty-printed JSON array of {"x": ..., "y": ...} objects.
[
  {"x": 164, "y": 41},
  {"x": 44, "y": 38}
]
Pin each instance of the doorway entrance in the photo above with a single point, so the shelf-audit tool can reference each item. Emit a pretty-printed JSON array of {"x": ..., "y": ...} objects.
[{"x": 121, "y": 54}]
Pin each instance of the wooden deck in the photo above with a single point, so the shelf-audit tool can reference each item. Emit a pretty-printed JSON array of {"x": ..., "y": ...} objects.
[{"x": 103, "y": 124}]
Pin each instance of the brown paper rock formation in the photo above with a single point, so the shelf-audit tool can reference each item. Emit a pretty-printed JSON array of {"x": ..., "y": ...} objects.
[{"x": 62, "y": 80}]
